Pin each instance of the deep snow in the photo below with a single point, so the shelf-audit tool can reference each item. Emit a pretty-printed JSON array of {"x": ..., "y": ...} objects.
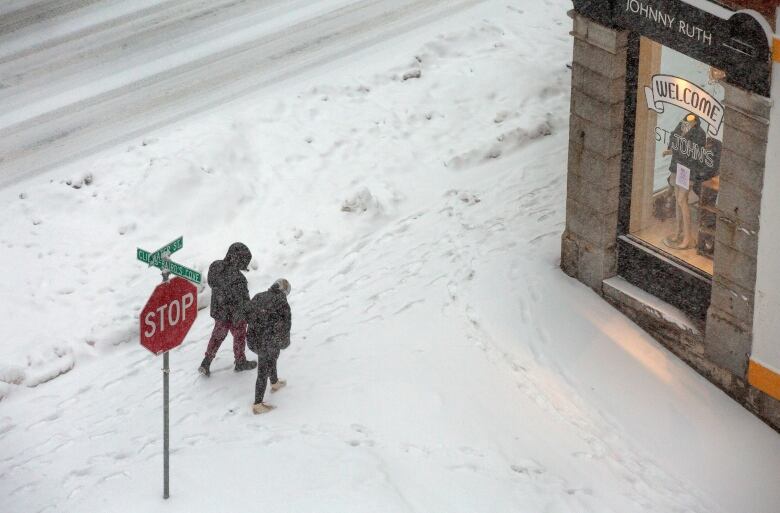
[{"x": 440, "y": 359}]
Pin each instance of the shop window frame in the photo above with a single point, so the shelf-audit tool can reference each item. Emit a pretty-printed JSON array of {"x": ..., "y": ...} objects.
[
  {"x": 748, "y": 66},
  {"x": 640, "y": 263}
]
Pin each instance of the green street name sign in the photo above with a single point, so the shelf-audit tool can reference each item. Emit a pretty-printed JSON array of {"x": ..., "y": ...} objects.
[
  {"x": 180, "y": 270},
  {"x": 161, "y": 260},
  {"x": 166, "y": 251}
]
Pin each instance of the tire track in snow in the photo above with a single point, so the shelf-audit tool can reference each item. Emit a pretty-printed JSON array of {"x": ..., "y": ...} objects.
[
  {"x": 14, "y": 46},
  {"x": 83, "y": 128},
  {"x": 17, "y": 19},
  {"x": 127, "y": 42}
]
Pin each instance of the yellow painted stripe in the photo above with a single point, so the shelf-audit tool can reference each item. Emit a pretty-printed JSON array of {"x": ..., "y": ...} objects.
[
  {"x": 764, "y": 379},
  {"x": 776, "y": 50}
]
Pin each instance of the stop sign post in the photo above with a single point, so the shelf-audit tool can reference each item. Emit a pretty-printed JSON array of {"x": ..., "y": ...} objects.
[{"x": 165, "y": 320}]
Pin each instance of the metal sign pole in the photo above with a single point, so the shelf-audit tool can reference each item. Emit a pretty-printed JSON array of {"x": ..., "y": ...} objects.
[
  {"x": 166, "y": 430},
  {"x": 182, "y": 295},
  {"x": 166, "y": 371}
]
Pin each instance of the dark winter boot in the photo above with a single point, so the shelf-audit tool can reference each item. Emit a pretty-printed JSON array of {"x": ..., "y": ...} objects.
[
  {"x": 204, "y": 367},
  {"x": 244, "y": 365}
]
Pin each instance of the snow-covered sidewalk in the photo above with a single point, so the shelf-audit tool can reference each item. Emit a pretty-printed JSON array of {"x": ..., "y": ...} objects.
[{"x": 440, "y": 362}]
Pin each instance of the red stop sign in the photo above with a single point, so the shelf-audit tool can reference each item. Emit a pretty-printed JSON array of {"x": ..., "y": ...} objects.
[{"x": 168, "y": 315}]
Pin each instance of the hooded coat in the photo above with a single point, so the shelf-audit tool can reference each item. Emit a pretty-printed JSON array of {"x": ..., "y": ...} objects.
[
  {"x": 229, "y": 288},
  {"x": 270, "y": 320}
]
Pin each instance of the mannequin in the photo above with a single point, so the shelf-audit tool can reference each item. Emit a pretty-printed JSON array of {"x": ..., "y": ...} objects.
[{"x": 686, "y": 136}]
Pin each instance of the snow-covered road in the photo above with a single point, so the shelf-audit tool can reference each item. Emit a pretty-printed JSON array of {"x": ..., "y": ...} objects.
[{"x": 76, "y": 77}]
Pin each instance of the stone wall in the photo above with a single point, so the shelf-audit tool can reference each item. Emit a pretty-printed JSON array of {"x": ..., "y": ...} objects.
[
  {"x": 730, "y": 316},
  {"x": 729, "y": 333},
  {"x": 588, "y": 245}
]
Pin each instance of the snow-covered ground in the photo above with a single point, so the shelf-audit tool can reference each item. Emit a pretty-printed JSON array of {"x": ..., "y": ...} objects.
[{"x": 413, "y": 193}]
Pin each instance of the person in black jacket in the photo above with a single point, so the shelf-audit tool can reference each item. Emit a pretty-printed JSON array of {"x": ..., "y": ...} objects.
[
  {"x": 270, "y": 320},
  {"x": 229, "y": 294}
]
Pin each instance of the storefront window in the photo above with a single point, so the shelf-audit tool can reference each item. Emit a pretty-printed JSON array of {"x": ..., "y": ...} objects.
[{"x": 677, "y": 148}]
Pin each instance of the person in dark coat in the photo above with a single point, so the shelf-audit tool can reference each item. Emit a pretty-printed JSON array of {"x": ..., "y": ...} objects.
[
  {"x": 229, "y": 294},
  {"x": 270, "y": 320}
]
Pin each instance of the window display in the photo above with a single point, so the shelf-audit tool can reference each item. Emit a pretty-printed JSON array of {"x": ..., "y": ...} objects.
[{"x": 677, "y": 146}]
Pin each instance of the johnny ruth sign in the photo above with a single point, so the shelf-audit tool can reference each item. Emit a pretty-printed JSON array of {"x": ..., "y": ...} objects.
[
  {"x": 669, "y": 21},
  {"x": 737, "y": 43},
  {"x": 686, "y": 95}
]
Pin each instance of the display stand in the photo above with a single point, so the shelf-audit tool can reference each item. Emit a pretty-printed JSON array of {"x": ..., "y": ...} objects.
[{"x": 708, "y": 216}]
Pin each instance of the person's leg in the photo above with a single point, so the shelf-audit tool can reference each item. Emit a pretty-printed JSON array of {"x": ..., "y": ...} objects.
[
  {"x": 238, "y": 330},
  {"x": 262, "y": 378},
  {"x": 276, "y": 383},
  {"x": 272, "y": 372},
  {"x": 239, "y": 346},
  {"x": 217, "y": 336}
]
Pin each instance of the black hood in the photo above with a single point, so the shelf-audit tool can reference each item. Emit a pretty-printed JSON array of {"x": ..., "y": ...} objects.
[{"x": 238, "y": 255}]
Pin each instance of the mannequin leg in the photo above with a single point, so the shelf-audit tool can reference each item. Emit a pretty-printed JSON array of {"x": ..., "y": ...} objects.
[
  {"x": 683, "y": 238},
  {"x": 685, "y": 210},
  {"x": 676, "y": 236},
  {"x": 678, "y": 216}
]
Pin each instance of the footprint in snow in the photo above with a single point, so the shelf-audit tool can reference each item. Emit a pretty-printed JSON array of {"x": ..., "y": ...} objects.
[
  {"x": 195, "y": 439},
  {"x": 6, "y": 428},
  {"x": 280, "y": 108},
  {"x": 359, "y": 443},
  {"x": 408, "y": 306},
  {"x": 470, "y": 451},
  {"x": 45, "y": 420},
  {"x": 528, "y": 469},
  {"x": 77, "y": 474},
  {"x": 359, "y": 428},
  {"x": 24, "y": 488},
  {"x": 109, "y": 477},
  {"x": 332, "y": 339}
]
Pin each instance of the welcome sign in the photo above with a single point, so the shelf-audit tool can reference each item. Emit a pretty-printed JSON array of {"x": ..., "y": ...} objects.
[{"x": 668, "y": 89}]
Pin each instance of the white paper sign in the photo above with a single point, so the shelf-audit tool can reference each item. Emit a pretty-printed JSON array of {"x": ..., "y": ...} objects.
[{"x": 683, "y": 177}]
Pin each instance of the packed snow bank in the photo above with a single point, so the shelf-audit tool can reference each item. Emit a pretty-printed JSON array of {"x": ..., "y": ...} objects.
[{"x": 440, "y": 360}]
